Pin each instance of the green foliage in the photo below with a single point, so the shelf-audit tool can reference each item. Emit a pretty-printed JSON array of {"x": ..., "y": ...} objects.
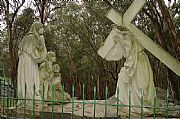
[
  {"x": 22, "y": 25},
  {"x": 20, "y": 28},
  {"x": 76, "y": 33},
  {"x": 4, "y": 58},
  {"x": 177, "y": 22}
]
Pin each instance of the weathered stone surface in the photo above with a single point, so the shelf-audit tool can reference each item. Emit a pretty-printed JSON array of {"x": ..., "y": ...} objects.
[
  {"x": 31, "y": 51},
  {"x": 49, "y": 76},
  {"x": 136, "y": 77},
  {"x": 78, "y": 111}
]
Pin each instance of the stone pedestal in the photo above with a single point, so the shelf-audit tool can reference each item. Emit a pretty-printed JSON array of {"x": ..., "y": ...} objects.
[{"x": 77, "y": 113}]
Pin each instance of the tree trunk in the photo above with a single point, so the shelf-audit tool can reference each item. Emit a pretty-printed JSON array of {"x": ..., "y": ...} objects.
[
  {"x": 156, "y": 19},
  {"x": 12, "y": 50},
  {"x": 154, "y": 15},
  {"x": 13, "y": 58},
  {"x": 171, "y": 26},
  {"x": 174, "y": 83}
]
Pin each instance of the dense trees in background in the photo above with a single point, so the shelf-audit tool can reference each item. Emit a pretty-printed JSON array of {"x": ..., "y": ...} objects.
[
  {"x": 9, "y": 11},
  {"x": 76, "y": 30}
]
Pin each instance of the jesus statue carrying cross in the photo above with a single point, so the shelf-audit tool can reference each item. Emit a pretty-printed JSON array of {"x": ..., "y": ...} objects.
[{"x": 135, "y": 84}]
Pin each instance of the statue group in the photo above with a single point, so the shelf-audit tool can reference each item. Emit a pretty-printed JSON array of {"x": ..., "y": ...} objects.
[
  {"x": 135, "y": 78},
  {"x": 34, "y": 80},
  {"x": 44, "y": 82}
]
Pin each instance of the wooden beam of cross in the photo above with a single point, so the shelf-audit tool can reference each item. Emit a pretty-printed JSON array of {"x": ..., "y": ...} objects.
[{"x": 146, "y": 42}]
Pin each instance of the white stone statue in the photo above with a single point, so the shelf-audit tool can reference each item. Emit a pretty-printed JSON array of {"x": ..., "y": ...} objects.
[
  {"x": 46, "y": 72},
  {"x": 56, "y": 81},
  {"x": 136, "y": 76},
  {"x": 49, "y": 76},
  {"x": 32, "y": 51}
]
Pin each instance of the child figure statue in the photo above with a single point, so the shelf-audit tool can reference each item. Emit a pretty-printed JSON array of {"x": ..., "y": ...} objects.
[
  {"x": 56, "y": 90},
  {"x": 46, "y": 73},
  {"x": 49, "y": 76}
]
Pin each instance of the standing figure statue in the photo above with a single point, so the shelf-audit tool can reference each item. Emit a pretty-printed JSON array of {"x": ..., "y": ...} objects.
[
  {"x": 32, "y": 51},
  {"x": 135, "y": 79}
]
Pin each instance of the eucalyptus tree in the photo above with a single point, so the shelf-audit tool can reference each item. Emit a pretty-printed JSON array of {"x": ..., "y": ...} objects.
[
  {"x": 76, "y": 32},
  {"x": 9, "y": 12},
  {"x": 20, "y": 27},
  {"x": 45, "y": 8},
  {"x": 163, "y": 20}
]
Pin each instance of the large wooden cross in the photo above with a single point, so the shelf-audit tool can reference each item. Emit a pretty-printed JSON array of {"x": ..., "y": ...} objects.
[{"x": 146, "y": 42}]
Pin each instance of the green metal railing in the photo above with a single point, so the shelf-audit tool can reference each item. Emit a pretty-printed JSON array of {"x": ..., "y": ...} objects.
[{"x": 8, "y": 101}]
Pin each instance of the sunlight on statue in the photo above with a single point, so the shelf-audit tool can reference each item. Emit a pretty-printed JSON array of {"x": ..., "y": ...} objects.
[
  {"x": 32, "y": 51},
  {"x": 136, "y": 76},
  {"x": 49, "y": 76}
]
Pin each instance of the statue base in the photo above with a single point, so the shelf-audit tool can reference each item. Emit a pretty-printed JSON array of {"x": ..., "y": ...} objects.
[{"x": 56, "y": 112}]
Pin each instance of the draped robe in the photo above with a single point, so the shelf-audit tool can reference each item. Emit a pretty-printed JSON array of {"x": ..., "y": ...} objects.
[
  {"x": 135, "y": 78},
  {"x": 32, "y": 51}
]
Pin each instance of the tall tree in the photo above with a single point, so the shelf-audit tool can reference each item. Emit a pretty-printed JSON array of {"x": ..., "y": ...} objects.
[
  {"x": 80, "y": 30},
  {"x": 174, "y": 82},
  {"x": 10, "y": 18},
  {"x": 46, "y": 7}
]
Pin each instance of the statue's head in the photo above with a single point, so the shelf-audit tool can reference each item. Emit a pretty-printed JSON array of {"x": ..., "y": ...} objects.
[
  {"x": 37, "y": 27},
  {"x": 56, "y": 68},
  {"x": 121, "y": 33},
  {"x": 51, "y": 56},
  {"x": 117, "y": 44},
  {"x": 123, "y": 36}
]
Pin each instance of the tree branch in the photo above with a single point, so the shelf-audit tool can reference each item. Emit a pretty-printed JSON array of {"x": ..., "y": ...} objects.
[
  {"x": 15, "y": 13},
  {"x": 171, "y": 26},
  {"x": 37, "y": 5},
  {"x": 42, "y": 12},
  {"x": 47, "y": 15}
]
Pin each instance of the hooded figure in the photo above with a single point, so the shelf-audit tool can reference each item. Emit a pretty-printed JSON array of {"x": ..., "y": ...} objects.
[
  {"x": 32, "y": 51},
  {"x": 135, "y": 78}
]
